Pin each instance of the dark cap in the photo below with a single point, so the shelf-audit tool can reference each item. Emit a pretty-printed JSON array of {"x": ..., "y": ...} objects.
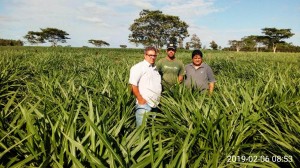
[
  {"x": 171, "y": 45},
  {"x": 197, "y": 52}
]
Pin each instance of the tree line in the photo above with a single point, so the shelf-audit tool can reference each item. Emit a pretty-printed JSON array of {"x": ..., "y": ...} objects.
[
  {"x": 271, "y": 39},
  {"x": 157, "y": 29},
  {"x": 7, "y": 42}
]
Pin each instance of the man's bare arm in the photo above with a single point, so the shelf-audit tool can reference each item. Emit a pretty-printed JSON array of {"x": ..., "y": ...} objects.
[{"x": 211, "y": 87}]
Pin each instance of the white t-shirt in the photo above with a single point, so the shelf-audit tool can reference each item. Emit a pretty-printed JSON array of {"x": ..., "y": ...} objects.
[{"x": 148, "y": 79}]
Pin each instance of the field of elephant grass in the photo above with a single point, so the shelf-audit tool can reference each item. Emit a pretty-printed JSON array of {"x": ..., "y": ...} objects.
[{"x": 71, "y": 107}]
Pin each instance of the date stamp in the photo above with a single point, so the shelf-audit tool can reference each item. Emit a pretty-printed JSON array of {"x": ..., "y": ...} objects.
[{"x": 254, "y": 158}]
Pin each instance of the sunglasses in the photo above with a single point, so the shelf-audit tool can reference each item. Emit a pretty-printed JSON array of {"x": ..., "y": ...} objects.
[
  {"x": 171, "y": 49},
  {"x": 151, "y": 55}
]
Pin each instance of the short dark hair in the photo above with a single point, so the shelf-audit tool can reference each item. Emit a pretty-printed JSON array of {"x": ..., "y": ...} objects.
[
  {"x": 197, "y": 52},
  {"x": 150, "y": 48}
]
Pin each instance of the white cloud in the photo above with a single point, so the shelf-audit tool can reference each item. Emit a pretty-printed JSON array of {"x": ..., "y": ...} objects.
[
  {"x": 139, "y": 4},
  {"x": 6, "y": 19},
  {"x": 94, "y": 20},
  {"x": 190, "y": 9}
]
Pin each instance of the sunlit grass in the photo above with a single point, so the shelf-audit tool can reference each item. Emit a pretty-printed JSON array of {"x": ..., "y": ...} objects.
[{"x": 64, "y": 107}]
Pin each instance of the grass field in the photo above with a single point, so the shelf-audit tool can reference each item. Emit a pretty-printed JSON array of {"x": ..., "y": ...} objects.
[{"x": 71, "y": 107}]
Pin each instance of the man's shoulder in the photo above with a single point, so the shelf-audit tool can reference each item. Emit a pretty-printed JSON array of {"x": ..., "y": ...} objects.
[
  {"x": 138, "y": 65},
  {"x": 205, "y": 65},
  {"x": 179, "y": 61},
  {"x": 187, "y": 68},
  {"x": 188, "y": 65},
  {"x": 162, "y": 60}
]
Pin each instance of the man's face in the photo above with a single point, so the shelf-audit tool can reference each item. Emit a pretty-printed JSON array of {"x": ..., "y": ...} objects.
[
  {"x": 197, "y": 60},
  {"x": 150, "y": 56},
  {"x": 171, "y": 52}
]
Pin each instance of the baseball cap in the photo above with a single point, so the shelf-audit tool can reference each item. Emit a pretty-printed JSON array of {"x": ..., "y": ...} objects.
[{"x": 171, "y": 45}]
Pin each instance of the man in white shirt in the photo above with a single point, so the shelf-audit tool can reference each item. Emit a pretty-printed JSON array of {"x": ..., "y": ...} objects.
[{"x": 145, "y": 83}]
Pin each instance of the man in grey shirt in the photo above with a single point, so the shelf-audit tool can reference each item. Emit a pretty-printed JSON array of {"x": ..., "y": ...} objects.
[{"x": 198, "y": 74}]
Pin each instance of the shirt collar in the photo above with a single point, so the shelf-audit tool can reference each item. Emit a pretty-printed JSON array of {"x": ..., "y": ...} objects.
[
  {"x": 192, "y": 65},
  {"x": 148, "y": 64},
  {"x": 202, "y": 64}
]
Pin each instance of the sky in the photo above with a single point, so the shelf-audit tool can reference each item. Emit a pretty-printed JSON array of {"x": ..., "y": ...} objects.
[{"x": 109, "y": 20}]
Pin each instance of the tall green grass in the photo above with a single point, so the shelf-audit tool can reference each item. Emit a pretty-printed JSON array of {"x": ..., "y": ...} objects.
[{"x": 72, "y": 107}]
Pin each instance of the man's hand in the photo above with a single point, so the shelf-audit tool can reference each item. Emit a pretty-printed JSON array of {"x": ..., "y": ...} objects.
[
  {"x": 142, "y": 101},
  {"x": 180, "y": 79},
  {"x": 136, "y": 93}
]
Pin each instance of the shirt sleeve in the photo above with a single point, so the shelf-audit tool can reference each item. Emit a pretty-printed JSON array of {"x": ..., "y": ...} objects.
[
  {"x": 182, "y": 69},
  {"x": 158, "y": 65},
  {"x": 185, "y": 71},
  {"x": 135, "y": 75},
  {"x": 210, "y": 75}
]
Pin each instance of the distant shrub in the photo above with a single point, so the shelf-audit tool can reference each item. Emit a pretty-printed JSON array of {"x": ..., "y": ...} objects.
[
  {"x": 123, "y": 46},
  {"x": 6, "y": 42}
]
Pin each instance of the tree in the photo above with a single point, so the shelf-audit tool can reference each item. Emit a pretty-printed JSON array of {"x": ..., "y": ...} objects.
[
  {"x": 99, "y": 43},
  {"x": 34, "y": 37},
  {"x": 275, "y": 36},
  {"x": 180, "y": 43},
  {"x": 172, "y": 40},
  {"x": 250, "y": 42},
  {"x": 261, "y": 42},
  {"x": 288, "y": 47},
  {"x": 253, "y": 41},
  {"x": 237, "y": 44},
  {"x": 156, "y": 28},
  {"x": 195, "y": 42},
  {"x": 123, "y": 46},
  {"x": 213, "y": 45},
  {"x": 54, "y": 36},
  {"x": 187, "y": 45}
]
